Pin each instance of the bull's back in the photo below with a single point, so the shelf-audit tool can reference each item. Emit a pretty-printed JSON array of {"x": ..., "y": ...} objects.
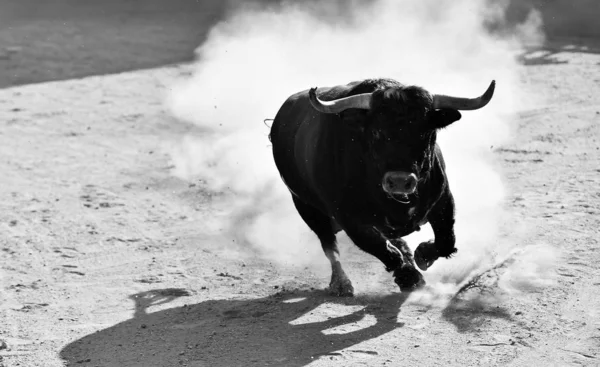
[
  {"x": 311, "y": 149},
  {"x": 293, "y": 129}
]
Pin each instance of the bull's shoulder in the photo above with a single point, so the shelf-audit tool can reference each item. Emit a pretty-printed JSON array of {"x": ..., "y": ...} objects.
[{"x": 439, "y": 157}]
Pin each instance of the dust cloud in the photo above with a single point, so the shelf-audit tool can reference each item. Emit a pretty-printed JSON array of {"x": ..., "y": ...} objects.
[{"x": 255, "y": 59}]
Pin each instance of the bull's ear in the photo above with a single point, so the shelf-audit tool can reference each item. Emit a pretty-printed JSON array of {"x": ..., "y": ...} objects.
[{"x": 443, "y": 117}]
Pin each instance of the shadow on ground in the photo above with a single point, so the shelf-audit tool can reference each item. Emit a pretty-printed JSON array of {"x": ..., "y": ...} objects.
[
  {"x": 64, "y": 39},
  {"x": 474, "y": 313},
  {"x": 555, "y": 49},
  {"x": 231, "y": 333},
  {"x": 44, "y": 41},
  {"x": 560, "y": 18}
]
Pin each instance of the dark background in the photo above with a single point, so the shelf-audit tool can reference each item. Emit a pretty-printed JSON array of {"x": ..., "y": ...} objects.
[{"x": 43, "y": 40}]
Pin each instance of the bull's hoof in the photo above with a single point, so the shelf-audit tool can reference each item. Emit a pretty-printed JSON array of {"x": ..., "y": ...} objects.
[
  {"x": 408, "y": 278},
  {"x": 341, "y": 287},
  {"x": 426, "y": 254}
]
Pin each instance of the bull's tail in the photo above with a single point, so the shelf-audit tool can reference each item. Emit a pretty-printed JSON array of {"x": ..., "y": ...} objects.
[{"x": 265, "y": 122}]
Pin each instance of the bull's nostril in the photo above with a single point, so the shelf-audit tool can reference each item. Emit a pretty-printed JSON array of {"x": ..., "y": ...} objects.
[
  {"x": 411, "y": 183},
  {"x": 399, "y": 182}
]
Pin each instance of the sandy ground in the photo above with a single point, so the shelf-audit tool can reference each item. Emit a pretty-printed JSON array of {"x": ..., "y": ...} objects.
[{"x": 103, "y": 262}]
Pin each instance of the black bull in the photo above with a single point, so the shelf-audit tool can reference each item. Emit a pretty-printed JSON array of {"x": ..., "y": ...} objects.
[{"x": 363, "y": 158}]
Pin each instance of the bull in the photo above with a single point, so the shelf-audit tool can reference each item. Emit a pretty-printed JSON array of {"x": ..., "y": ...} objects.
[{"x": 363, "y": 158}]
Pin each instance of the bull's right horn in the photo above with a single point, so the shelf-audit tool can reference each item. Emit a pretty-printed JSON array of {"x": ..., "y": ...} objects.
[
  {"x": 457, "y": 103},
  {"x": 362, "y": 101}
]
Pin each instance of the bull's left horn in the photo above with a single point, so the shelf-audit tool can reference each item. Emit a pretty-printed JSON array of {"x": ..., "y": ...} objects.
[
  {"x": 457, "y": 103},
  {"x": 362, "y": 101}
]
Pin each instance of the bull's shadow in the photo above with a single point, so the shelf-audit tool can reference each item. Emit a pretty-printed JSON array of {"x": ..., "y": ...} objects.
[{"x": 231, "y": 332}]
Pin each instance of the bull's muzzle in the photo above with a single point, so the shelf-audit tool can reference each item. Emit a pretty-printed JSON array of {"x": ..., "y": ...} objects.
[{"x": 397, "y": 182}]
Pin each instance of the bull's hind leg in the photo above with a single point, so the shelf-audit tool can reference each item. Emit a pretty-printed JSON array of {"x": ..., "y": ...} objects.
[{"x": 319, "y": 223}]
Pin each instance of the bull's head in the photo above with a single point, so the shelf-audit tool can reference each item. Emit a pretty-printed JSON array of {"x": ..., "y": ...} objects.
[{"x": 399, "y": 130}]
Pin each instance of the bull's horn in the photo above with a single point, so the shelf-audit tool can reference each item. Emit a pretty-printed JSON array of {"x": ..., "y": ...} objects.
[
  {"x": 457, "y": 103},
  {"x": 362, "y": 101}
]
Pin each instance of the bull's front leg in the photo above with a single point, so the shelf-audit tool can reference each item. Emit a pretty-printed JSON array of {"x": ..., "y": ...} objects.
[
  {"x": 406, "y": 275},
  {"x": 441, "y": 219},
  {"x": 393, "y": 253}
]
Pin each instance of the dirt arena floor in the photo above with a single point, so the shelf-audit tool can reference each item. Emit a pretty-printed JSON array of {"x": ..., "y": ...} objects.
[{"x": 100, "y": 263}]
